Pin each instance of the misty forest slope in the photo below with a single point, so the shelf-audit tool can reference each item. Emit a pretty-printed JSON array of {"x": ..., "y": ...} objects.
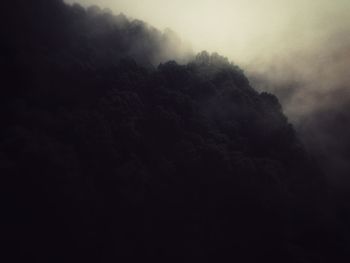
[{"x": 104, "y": 156}]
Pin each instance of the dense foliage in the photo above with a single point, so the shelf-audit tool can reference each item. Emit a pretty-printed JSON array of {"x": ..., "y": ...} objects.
[{"x": 104, "y": 156}]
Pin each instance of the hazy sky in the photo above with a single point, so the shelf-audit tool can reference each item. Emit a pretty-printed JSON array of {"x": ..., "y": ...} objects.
[
  {"x": 297, "y": 49},
  {"x": 240, "y": 29}
]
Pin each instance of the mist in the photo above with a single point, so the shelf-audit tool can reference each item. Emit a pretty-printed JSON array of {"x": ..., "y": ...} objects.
[
  {"x": 121, "y": 141},
  {"x": 309, "y": 73},
  {"x": 298, "y": 50},
  {"x": 239, "y": 29}
]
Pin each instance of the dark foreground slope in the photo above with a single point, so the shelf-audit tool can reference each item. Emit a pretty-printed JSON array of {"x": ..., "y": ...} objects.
[{"x": 104, "y": 157}]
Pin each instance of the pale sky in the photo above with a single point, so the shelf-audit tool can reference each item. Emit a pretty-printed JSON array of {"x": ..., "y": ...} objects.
[
  {"x": 296, "y": 49},
  {"x": 240, "y": 29}
]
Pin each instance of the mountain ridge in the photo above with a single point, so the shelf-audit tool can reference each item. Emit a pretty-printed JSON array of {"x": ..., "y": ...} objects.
[{"x": 107, "y": 157}]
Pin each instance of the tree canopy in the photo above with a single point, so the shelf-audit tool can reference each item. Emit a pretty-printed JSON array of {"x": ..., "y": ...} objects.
[{"x": 105, "y": 155}]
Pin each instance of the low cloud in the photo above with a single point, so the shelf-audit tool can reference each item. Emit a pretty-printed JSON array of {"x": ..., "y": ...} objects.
[{"x": 313, "y": 84}]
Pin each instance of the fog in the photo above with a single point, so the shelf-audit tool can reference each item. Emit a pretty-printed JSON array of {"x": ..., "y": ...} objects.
[
  {"x": 121, "y": 142},
  {"x": 298, "y": 50},
  {"x": 239, "y": 29}
]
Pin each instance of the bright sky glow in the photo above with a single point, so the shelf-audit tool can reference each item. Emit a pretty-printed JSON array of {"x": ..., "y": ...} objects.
[{"x": 240, "y": 29}]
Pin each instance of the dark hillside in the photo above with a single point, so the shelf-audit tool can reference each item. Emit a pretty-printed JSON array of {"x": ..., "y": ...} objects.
[{"x": 105, "y": 157}]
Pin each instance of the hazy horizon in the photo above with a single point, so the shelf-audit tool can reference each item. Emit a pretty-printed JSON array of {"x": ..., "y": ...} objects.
[
  {"x": 298, "y": 50},
  {"x": 179, "y": 131},
  {"x": 241, "y": 30}
]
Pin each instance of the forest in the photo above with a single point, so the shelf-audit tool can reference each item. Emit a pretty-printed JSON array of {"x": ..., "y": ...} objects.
[{"x": 119, "y": 144}]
